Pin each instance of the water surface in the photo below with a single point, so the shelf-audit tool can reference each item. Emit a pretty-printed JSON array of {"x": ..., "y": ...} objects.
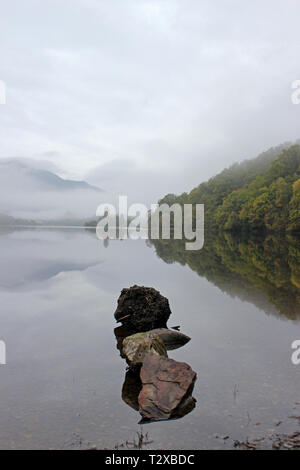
[{"x": 61, "y": 387}]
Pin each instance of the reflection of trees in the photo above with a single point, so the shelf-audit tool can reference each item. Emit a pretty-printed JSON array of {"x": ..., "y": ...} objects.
[{"x": 264, "y": 271}]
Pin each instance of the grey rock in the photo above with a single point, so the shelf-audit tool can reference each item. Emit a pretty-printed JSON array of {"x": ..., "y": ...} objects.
[{"x": 171, "y": 339}]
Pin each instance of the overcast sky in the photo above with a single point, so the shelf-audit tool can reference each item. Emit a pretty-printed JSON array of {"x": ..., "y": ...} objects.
[{"x": 155, "y": 95}]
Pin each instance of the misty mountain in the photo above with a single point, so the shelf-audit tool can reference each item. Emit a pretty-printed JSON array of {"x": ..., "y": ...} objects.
[
  {"x": 32, "y": 192},
  {"x": 38, "y": 178}
]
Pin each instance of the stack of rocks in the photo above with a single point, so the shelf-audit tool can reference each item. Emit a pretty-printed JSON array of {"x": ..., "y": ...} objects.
[{"x": 158, "y": 387}]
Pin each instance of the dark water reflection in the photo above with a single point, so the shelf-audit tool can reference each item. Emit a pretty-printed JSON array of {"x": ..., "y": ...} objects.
[
  {"x": 264, "y": 271},
  {"x": 62, "y": 385}
]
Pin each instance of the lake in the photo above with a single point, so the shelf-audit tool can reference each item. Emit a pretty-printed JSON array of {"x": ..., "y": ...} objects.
[{"x": 61, "y": 388}]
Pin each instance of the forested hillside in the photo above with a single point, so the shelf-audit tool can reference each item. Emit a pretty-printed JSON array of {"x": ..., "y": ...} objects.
[{"x": 262, "y": 194}]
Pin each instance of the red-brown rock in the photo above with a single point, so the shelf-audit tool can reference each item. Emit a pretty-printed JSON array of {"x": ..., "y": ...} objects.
[{"x": 167, "y": 385}]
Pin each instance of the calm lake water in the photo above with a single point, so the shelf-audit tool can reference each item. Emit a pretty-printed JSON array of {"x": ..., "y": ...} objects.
[{"x": 62, "y": 385}]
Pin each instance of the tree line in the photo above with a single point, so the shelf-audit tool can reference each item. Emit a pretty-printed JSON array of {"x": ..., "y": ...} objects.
[{"x": 259, "y": 195}]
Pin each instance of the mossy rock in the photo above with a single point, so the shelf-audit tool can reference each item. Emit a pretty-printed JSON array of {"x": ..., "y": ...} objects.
[{"x": 136, "y": 347}]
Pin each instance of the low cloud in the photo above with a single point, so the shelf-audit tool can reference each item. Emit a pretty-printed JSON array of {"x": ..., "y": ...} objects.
[
  {"x": 180, "y": 91},
  {"x": 29, "y": 191}
]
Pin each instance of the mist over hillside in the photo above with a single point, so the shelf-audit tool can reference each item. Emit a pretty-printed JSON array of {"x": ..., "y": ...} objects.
[{"x": 31, "y": 191}]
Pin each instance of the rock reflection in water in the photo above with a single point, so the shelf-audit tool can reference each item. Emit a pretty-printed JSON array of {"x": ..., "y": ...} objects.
[{"x": 132, "y": 387}]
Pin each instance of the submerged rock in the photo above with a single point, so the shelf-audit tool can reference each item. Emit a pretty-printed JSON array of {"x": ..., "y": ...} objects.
[
  {"x": 167, "y": 388},
  {"x": 122, "y": 332},
  {"x": 136, "y": 347},
  {"x": 131, "y": 389},
  {"x": 187, "y": 405},
  {"x": 171, "y": 339},
  {"x": 142, "y": 309}
]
